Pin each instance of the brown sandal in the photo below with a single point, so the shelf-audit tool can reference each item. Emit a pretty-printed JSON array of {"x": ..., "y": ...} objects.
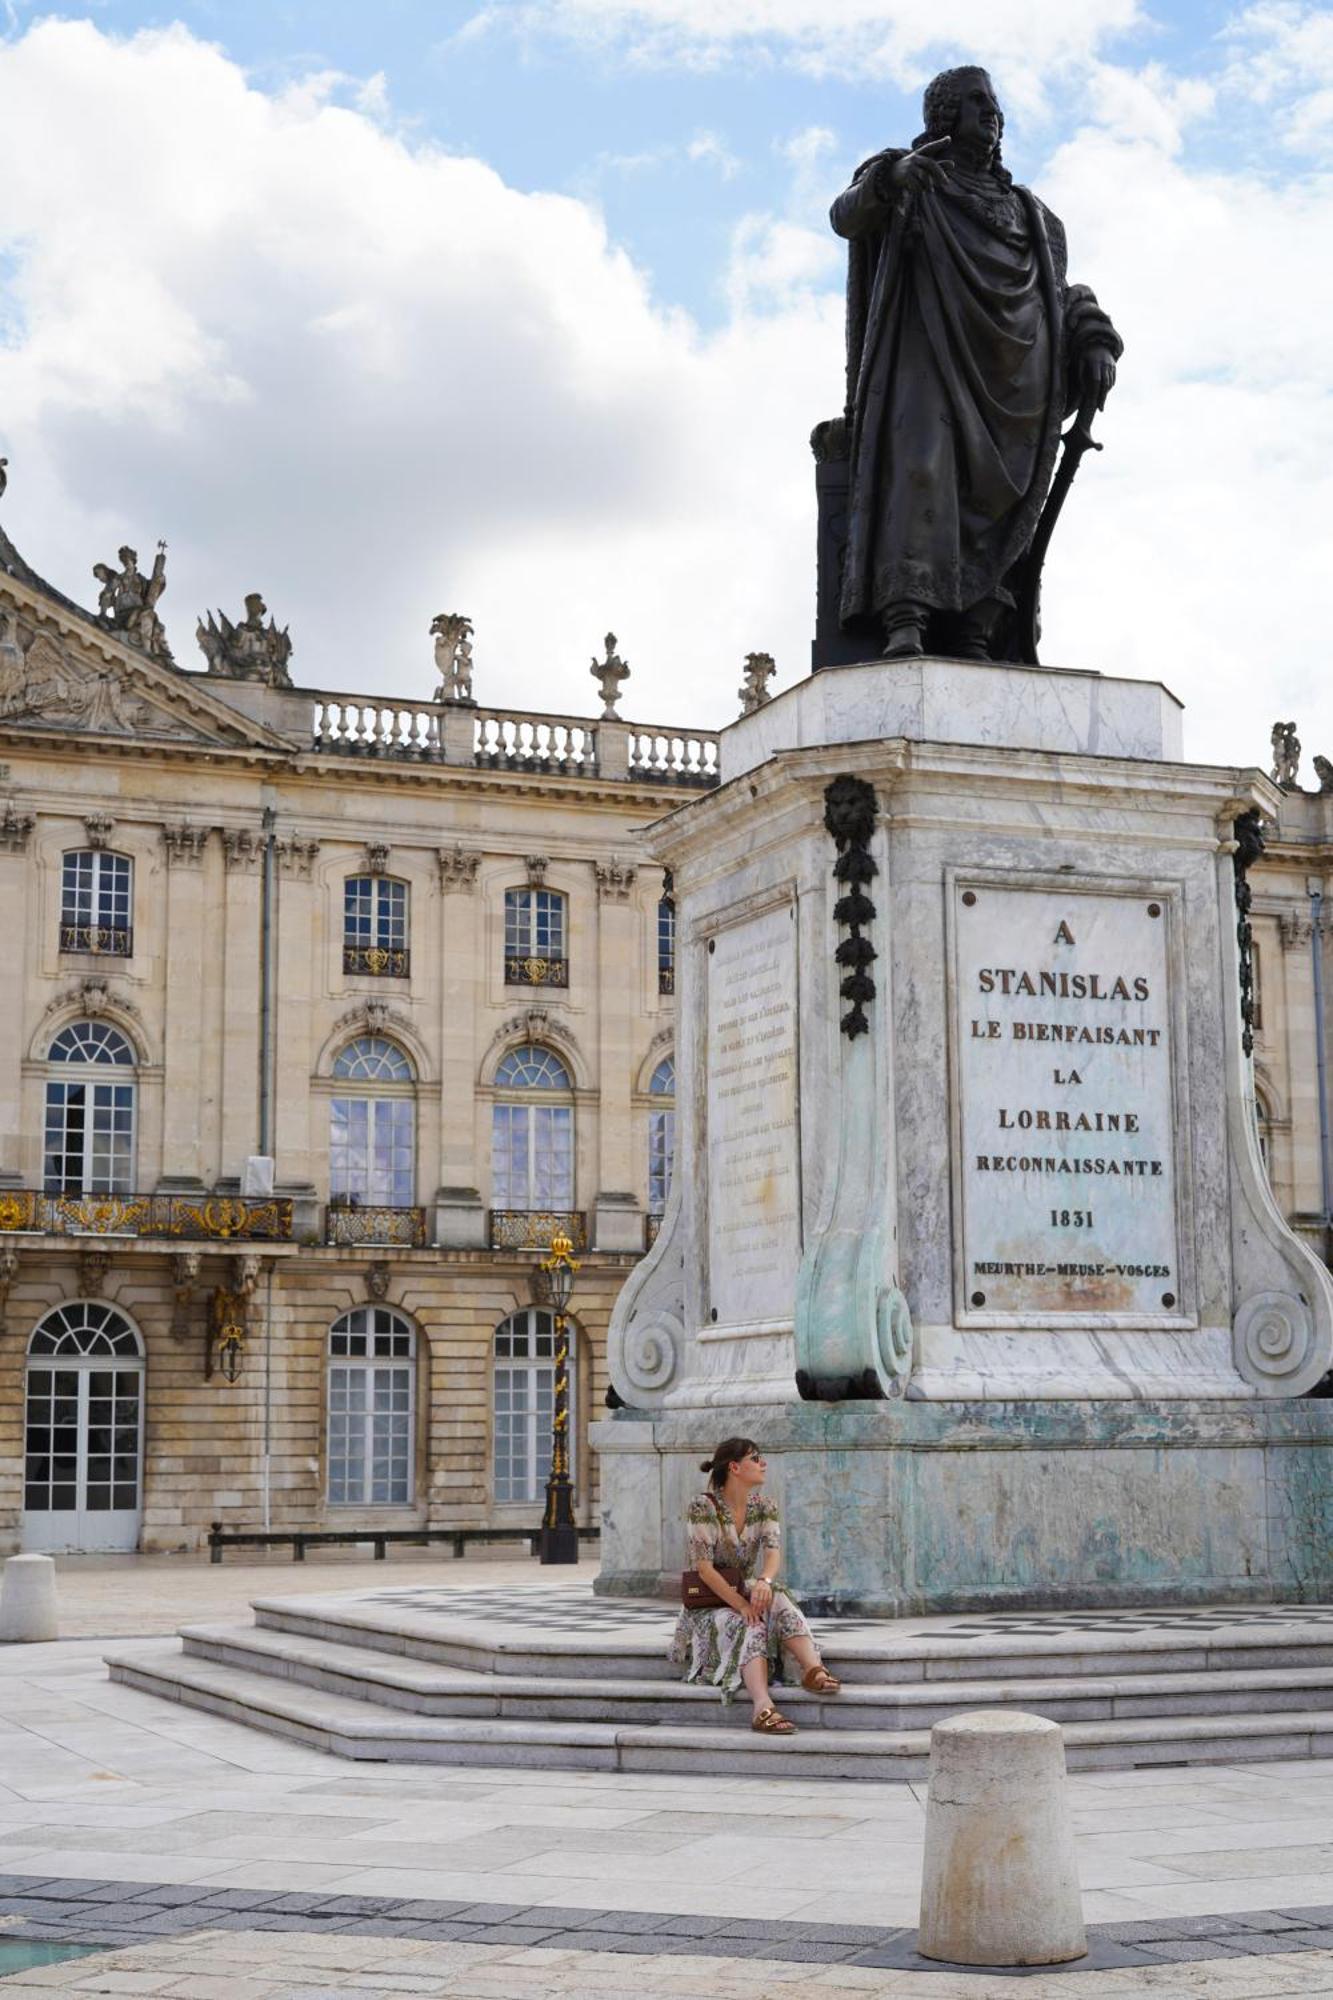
[
  {"x": 818, "y": 1680},
  {"x": 769, "y": 1722}
]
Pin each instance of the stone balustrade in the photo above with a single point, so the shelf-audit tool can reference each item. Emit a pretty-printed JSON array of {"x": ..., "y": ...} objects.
[
  {"x": 512, "y": 739},
  {"x": 672, "y": 756},
  {"x": 362, "y": 725}
]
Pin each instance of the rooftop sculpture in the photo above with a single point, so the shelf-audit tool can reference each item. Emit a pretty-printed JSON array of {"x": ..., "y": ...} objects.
[
  {"x": 453, "y": 655},
  {"x": 967, "y": 348},
  {"x": 250, "y": 651},
  {"x": 127, "y": 601}
]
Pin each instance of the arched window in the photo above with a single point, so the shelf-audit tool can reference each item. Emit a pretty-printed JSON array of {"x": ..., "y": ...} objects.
[
  {"x": 375, "y": 928},
  {"x": 661, "y": 1134},
  {"x": 89, "y": 1112},
  {"x": 532, "y": 1132},
  {"x": 535, "y": 938},
  {"x": 524, "y": 1396},
  {"x": 97, "y": 902},
  {"x": 666, "y": 936},
  {"x": 83, "y": 1434},
  {"x": 372, "y": 1129},
  {"x": 372, "y": 1374}
]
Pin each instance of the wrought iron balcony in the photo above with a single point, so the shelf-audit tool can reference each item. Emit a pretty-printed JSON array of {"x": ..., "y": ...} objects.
[
  {"x": 397, "y": 1228},
  {"x": 533, "y": 1228},
  {"x": 379, "y": 960},
  {"x": 109, "y": 940},
  {"x": 536, "y": 971},
  {"x": 194, "y": 1218}
]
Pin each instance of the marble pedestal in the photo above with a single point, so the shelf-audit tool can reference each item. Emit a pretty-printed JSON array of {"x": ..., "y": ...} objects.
[{"x": 999, "y": 1283}]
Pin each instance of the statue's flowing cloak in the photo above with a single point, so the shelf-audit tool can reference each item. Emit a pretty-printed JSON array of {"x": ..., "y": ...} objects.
[{"x": 961, "y": 337}]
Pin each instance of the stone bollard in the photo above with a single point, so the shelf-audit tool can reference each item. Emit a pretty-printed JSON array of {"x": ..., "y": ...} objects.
[
  {"x": 28, "y": 1600},
  {"x": 1000, "y": 1885}
]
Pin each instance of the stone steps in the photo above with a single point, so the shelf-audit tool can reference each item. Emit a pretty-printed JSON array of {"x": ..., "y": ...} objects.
[
  {"x": 423, "y": 1687},
  {"x": 872, "y": 1656},
  {"x": 368, "y": 1730}
]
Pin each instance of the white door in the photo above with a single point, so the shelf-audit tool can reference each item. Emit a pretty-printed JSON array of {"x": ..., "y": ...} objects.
[{"x": 83, "y": 1446}]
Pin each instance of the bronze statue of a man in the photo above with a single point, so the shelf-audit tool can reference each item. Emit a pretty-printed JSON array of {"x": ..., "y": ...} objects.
[{"x": 966, "y": 349}]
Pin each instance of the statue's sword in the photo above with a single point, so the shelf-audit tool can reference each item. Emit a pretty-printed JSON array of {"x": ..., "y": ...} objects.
[{"x": 1076, "y": 440}]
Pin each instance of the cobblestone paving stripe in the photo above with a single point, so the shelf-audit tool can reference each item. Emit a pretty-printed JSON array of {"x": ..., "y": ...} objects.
[{"x": 125, "y": 1914}]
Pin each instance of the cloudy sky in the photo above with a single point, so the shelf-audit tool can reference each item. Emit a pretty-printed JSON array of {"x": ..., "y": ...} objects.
[{"x": 526, "y": 308}]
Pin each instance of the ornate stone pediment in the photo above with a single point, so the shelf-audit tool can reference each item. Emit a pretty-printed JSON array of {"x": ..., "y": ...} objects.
[{"x": 57, "y": 677}]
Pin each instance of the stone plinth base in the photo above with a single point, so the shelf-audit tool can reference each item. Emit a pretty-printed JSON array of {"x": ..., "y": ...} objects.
[{"x": 905, "y": 1508}]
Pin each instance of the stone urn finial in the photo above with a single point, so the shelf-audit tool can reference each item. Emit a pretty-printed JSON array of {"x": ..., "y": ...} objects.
[{"x": 610, "y": 674}]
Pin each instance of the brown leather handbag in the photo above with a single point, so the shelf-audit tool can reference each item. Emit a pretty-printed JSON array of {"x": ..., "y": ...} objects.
[{"x": 696, "y": 1595}]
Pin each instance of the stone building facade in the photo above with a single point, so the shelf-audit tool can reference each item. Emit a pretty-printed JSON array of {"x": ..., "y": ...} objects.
[{"x": 323, "y": 1012}]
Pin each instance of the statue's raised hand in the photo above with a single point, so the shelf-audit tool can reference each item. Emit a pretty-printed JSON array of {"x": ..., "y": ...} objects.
[{"x": 913, "y": 172}]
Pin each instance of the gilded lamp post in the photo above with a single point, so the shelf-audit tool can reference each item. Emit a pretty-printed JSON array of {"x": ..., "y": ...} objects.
[{"x": 553, "y": 1282}]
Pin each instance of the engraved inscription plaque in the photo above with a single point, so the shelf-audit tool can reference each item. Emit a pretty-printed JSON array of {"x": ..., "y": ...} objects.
[
  {"x": 753, "y": 1182},
  {"x": 1065, "y": 1116}
]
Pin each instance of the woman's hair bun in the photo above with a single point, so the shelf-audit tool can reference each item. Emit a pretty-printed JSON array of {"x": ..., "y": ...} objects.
[{"x": 730, "y": 1452}]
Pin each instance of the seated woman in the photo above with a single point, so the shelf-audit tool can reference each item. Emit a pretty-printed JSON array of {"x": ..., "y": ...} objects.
[{"x": 733, "y": 1525}]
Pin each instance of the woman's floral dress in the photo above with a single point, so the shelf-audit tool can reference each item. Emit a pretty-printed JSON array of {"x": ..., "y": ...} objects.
[{"x": 715, "y": 1645}]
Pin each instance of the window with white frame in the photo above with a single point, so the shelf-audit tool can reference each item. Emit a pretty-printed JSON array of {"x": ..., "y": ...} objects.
[
  {"x": 372, "y": 1408},
  {"x": 666, "y": 937},
  {"x": 372, "y": 1128},
  {"x": 97, "y": 902},
  {"x": 661, "y": 1134},
  {"x": 89, "y": 1136},
  {"x": 375, "y": 926},
  {"x": 535, "y": 938},
  {"x": 524, "y": 1397},
  {"x": 532, "y": 1132}
]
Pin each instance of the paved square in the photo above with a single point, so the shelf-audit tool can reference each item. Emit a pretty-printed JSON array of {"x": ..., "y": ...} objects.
[{"x": 208, "y": 1859}]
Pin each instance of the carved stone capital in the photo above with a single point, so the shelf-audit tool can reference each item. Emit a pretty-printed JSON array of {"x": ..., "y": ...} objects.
[
  {"x": 241, "y": 846},
  {"x": 1295, "y": 932},
  {"x": 184, "y": 844},
  {"x": 296, "y": 856},
  {"x": 94, "y": 1266},
  {"x": 185, "y": 1268},
  {"x": 100, "y": 828},
  {"x": 458, "y": 867},
  {"x": 15, "y": 829},
  {"x": 9, "y": 1270},
  {"x": 615, "y": 879}
]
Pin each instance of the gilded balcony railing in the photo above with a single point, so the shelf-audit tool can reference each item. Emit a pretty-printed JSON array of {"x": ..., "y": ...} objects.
[
  {"x": 380, "y": 961},
  {"x": 534, "y": 971},
  {"x": 110, "y": 940},
  {"x": 199, "y": 1218},
  {"x": 533, "y": 1228},
  {"x": 396, "y": 1228}
]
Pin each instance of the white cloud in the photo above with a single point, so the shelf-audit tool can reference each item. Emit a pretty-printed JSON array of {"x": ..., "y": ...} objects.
[
  {"x": 852, "y": 38},
  {"x": 1282, "y": 62},
  {"x": 373, "y": 381}
]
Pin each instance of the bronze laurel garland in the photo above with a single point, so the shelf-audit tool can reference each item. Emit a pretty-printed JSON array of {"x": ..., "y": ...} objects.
[
  {"x": 1249, "y": 832},
  {"x": 849, "y": 815}
]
